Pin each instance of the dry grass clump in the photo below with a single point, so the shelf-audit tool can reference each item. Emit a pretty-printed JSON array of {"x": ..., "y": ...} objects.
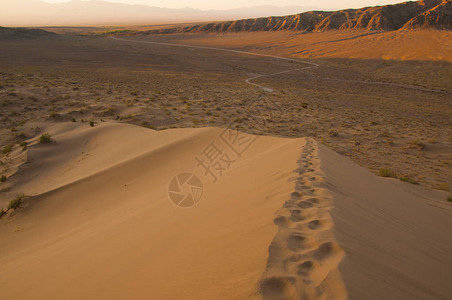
[
  {"x": 15, "y": 203},
  {"x": 408, "y": 179},
  {"x": 45, "y": 138},
  {"x": 386, "y": 172},
  {"x": 333, "y": 133},
  {"x": 7, "y": 149}
]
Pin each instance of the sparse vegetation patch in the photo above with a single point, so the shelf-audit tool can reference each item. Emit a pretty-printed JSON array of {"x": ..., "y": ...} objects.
[
  {"x": 408, "y": 179},
  {"x": 7, "y": 149},
  {"x": 385, "y": 172},
  {"x": 15, "y": 203},
  {"x": 46, "y": 138}
]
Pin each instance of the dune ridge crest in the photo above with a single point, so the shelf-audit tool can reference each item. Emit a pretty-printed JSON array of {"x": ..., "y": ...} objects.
[{"x": 304, "y": 256}]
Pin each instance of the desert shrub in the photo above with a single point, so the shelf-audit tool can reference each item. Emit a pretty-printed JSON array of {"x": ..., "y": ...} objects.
[
  {"x": 22, "y": 136},
  {"x": 7, "y": 149},
  {"x": 2, "y": 212},
  {"x": 418, "y": 143},
  {"x": 54, "y": 115},
  {"x": 24, "y": 146},
  {"x": 91, "y": 123},
  {"x": 385, "y": 172},
  {"x": 3, "y": 178},
  {"x": 408, "y": 179},
  {"x": 443, "y": 187},
  {"x": 15, "y": 203},
  {"x": 73, "y": 120},
  {"x": 109, "y": 111},
  {"x": 45, "y": 138},
  {"x": 449, "y": 198},
  {"x": 333, "y": 133}
]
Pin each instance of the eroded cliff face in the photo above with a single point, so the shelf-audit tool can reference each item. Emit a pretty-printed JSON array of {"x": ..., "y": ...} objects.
[{"x": 434, "y": 14}]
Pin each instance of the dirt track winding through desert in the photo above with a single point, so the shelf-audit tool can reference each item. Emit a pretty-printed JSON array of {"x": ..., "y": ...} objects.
[
  {"x": 312, "y": 65},
  {"x": 266, "y": 89}
]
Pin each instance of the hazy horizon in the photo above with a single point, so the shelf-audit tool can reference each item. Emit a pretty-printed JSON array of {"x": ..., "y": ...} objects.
[
  {"x": 233, "y": 4},
  {"x": 153, "y": 12}
]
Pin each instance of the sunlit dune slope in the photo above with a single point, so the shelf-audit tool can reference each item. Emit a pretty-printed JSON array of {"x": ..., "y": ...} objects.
[{"x": 289, "y": 218}]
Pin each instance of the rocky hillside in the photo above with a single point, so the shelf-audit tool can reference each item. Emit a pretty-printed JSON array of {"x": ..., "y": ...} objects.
[
  {"x": 434, "y": 14},
  {"x": 21, "y": 33}
]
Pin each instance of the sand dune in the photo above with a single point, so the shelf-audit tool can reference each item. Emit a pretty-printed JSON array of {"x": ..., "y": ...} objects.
[
  {"x": 290, "y": 219},
  {"x": 108, "y": 229}
]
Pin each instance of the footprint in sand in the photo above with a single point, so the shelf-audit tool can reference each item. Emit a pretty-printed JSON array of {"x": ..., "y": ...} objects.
[
  {"x": 305, "y": 268},
  {"x": 298, "y": 242},
  {"x": 305, "y": 264},
  {"x": 320, "y": 224},
  {"x": 301, "y": 214},
  {"x": 305, "y": 204},
  {"x": 327, "y": 251},
  {"x": 296, "y": 195}
]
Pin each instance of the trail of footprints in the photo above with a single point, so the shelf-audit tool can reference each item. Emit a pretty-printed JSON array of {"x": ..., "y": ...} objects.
[{"x": 303, "y": 256}]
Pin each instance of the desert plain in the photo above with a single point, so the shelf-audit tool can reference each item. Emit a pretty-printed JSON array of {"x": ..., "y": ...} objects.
[{"x": 338, "y": 186}]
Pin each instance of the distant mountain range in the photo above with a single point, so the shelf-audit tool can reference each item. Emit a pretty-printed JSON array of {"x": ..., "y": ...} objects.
[
  {"x": 89, "y": 13},
  {"x": 427, "y": 14}
]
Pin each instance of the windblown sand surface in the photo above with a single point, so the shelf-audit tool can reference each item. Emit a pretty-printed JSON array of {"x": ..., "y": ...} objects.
[{"x": 290, "y": 219}]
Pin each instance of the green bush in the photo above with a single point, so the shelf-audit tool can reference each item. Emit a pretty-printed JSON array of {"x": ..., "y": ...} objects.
[
  {"x": 91, "y": 124},
  {"x": 45, "y": 138},
  {"x": 385, "y": 172},
  {"x": 449, "y": 198},
  {"x": 3, "y": 178}
]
